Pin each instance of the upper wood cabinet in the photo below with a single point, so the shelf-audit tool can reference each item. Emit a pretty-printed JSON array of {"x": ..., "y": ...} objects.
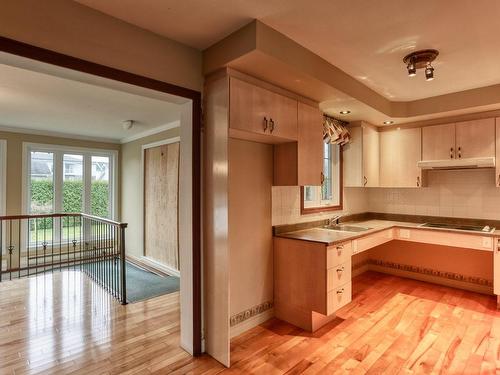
[
  {"x": 400, "y": 150},
  {"x": 467, "y": 139},
  {"x": 261, "y": 112},
  {"x": 361, "y": 157},
  {"x": 475, "y": 139},
  {"x": 438, "y": 142},
  {"x": 301, "y": 163}
]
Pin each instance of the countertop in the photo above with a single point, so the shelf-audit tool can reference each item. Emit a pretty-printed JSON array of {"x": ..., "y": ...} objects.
[{"x": 331, "y": 237}]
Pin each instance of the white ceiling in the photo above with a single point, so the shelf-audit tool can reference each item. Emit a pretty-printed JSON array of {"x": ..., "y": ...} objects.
[
  {"x": 366, "y": 39},
  {"x": 43, "y": 103}
]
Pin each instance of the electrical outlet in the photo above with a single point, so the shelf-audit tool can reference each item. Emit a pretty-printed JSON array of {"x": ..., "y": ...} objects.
[{"x": 404, "y": 233}]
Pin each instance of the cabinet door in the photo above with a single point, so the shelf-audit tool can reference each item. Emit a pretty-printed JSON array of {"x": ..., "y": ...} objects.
[
  {"x": 310, "y": 145},
  {"x": 400, "y": 150},
  {"x": 283, "y": 117},
  {"x": 257, "y": 110},
  {"x": 371, "y": 157},
  {"x": 475, "y": 138},
  {"x": 438, "y": 142},
  {"x": 496, "y": 267},
  {"x": 248, "y": 107},
  {"x": 497, "y": 175},
  {"x": 352, "y": 155}
]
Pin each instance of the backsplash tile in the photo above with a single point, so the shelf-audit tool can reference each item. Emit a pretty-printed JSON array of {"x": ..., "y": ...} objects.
[
  {"x": 460, "y": 193},
  {"x": 286, "y": 205}
]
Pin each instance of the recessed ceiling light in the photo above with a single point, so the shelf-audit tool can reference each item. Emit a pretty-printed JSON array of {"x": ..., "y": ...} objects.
[
  {"x": 388, "y": 122},
  {"x": 345, "y": 112}
]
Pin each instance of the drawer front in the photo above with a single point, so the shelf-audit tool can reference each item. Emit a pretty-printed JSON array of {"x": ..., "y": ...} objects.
[
  {"x": 338, "y": 275},
  {"x": 365, "y": 243},
  {"x": 339, "y": 297},
  {"x": 436, "y": 237},
  {"x": 338, "y": 254}
]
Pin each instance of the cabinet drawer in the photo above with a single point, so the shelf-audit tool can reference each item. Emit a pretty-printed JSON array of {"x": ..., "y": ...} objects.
[
  {"x": 338, "y": 298},
  {"x": 338, "y": 276},
  {"x": 338, "y": 254},
  {"x": 362, "y": 244}
]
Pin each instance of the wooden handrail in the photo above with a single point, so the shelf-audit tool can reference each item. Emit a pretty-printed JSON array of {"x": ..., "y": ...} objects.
[{"x": 68, "y": 214}]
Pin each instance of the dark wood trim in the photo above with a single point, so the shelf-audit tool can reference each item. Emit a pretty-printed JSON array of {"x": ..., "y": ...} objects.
[
  {"x": 339, "y": 207},
  {"x": 55, "y": 58}
]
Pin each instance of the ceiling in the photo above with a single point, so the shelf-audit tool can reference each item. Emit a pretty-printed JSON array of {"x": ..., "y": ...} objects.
[
  {"x": 45, "y": 103},
  {"x": 366, "y": 39}
]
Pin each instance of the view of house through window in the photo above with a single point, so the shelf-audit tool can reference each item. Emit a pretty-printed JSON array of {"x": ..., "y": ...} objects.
[
  {"x": 69, "y": 182},
  {"x": 328, "y": 194}
]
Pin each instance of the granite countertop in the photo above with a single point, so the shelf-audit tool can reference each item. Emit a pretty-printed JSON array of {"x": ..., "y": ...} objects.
[{"x": 331, "y": 237}]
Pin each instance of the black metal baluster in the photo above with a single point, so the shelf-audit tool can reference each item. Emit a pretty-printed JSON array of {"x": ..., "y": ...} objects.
[
  {"x": 28, "y": 248},
  {"x": 60, "y": 241},
  {"x": 11, "y": 248},
  {"x": 44, "y": 244},
  {"x": 19, "y": 248},
  {"x": 52, "y": 245}
]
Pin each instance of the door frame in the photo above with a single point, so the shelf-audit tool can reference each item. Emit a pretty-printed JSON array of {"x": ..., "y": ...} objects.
[
  {"x": 21, "y": 49},
  {"x": 162, "y": 142}
]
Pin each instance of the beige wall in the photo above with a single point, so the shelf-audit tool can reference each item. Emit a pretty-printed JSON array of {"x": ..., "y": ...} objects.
[
  {"x": 15, "y": 162},
  {"x": 73, "y": 29},
  {"x": 461, "y": 193},
  {"x": 131, "y": 188}
]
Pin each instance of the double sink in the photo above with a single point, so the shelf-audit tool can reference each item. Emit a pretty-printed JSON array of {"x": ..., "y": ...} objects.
[
  {"x": 346, "y": 228},
  {"x": 467, "y": 228}
]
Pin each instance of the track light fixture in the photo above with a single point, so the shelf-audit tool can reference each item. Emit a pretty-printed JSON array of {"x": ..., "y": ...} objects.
[{"x": 421, "y": 60}]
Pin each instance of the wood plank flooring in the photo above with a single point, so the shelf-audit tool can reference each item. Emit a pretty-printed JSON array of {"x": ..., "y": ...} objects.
[{"x": 63, "y": 323}]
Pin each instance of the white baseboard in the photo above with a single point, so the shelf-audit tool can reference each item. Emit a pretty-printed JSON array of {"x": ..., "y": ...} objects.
[
  {"x": 161, "y": 267},
  {"x": 254, "y": 321}
]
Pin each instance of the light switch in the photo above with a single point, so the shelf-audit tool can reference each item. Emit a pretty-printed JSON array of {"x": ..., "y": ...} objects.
[
  {"x": 404, "y": 233},
  {"x": 487, "y": 242}
]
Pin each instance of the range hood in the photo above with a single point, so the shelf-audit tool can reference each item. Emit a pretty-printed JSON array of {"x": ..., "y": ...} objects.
[{"x": 469, "y": 163}]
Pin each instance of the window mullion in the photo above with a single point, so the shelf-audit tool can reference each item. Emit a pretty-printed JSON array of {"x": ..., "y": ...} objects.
[
  {"x": 58, "y": 193},
  {"x": 87, "y": 181}
]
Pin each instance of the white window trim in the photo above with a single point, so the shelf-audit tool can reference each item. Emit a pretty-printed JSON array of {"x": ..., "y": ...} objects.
[
  {"x": 3, "y": 177},
  {"x": 112, "y": 154},
  {"x": 319, "y": 202}
]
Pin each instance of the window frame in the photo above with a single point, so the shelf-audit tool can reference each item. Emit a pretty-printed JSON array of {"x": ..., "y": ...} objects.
[
  {"x": 306, "y": 209},
  {"x": 58, "y": 152}
]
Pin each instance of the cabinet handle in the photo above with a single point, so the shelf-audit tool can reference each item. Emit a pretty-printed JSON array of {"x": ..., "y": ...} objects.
[
  {"x": 340, "y": 291},
  {"x": 451, "y": 153},
  {"x": 271, "y": 125},
  {"x": 498, "y": 181},
  {"x": 365, "y": 180},
  {"x": 339, "y": 250},
  {"x": 340, "y": 269},
  {"x": 418, "y": 181},
  {"x": 265, "y": 124},
  {"x": 322, "y": 178},
  {"x": 459, "y": 152}
]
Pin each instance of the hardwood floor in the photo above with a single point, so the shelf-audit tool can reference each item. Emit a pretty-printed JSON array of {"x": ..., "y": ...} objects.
[{"x": 62, "y": 323}]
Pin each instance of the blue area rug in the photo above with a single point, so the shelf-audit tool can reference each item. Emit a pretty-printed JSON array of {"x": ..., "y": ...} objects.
[{"x": 142, "y": 284}]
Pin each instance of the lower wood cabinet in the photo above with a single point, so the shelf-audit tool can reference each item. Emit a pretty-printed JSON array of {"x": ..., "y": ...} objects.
[{"x": 311, "y": 281}]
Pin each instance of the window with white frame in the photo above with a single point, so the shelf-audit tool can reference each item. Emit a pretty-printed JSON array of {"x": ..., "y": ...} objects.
[
  {"x": 65, "y": 179},
  {"x": 328, "y": 194}
]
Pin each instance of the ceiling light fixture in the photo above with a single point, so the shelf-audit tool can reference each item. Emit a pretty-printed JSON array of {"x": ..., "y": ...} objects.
[
  {"x": 421, "y": 60},
  {"x": 388, "y": 122},
  {"x": 345, "y": 112},
  {"x": 127, "y": 124}
]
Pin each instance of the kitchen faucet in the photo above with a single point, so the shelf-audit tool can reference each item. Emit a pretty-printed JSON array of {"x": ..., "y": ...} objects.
[{"x": 335, "y": 220}]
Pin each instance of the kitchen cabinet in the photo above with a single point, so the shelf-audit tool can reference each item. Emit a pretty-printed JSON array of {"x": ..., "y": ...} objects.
[
  {"x": 256, "y": 113},
  {"x": 311, "y": 281},
  {"x": 466, "y": 139},
  {"x": 400, "y": 150},
  {"x": 497, "y": 174},
  {"x": 475, "y": 139},
  {"x": 438, "y": 142},
  {"x": 301, "y": 163},
  {"x": 361, "y": 157}
]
